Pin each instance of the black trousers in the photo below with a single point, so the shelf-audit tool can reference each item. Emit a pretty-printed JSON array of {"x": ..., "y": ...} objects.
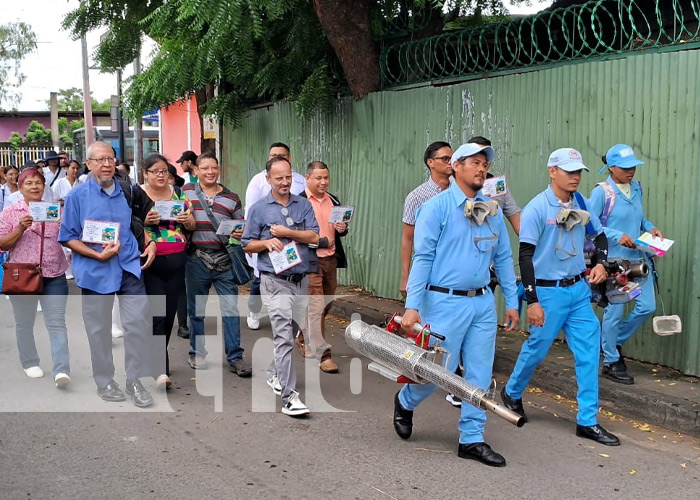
[{"x": 165, "y": 281}]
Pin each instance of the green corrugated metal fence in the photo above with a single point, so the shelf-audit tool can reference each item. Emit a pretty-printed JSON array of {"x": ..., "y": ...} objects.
[{"x": 374, "y": 148}]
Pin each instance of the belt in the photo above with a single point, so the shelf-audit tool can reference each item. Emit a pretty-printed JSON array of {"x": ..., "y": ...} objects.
[
  {"x": 292, "y": 278},
  {"x": 572, "y": 280},
  {"x": 459, "y": 293}
]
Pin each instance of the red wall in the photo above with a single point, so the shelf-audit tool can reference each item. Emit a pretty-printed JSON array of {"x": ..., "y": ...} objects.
[{"x": 174, "y": 130}]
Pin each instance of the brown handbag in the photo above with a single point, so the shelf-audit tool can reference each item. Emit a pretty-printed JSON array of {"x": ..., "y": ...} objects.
[{"x": 24, "y": 279}]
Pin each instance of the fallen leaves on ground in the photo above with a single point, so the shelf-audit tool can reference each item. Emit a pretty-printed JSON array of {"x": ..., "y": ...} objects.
[
  {"x": 534, "y": 390},
  {"x": 604, "y": 455},
  {"x": 633, "y": 472}
]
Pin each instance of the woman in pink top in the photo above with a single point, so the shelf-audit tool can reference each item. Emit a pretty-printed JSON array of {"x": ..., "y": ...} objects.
[{"x": 22, "y": 237}]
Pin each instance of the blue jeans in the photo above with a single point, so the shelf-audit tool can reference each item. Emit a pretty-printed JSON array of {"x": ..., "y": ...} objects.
[
  {"x": 199, "y": 280},
  {"x": 53, "y": 304}
]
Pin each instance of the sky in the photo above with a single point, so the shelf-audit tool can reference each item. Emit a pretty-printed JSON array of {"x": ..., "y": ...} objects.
[{"x": 57, "y": 62}]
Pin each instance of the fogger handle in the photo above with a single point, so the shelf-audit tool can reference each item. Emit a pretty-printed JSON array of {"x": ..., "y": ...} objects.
[{"x": 418, "y": 328}]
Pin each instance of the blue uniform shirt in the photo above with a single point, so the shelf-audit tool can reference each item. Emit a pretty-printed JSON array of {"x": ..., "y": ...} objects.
[
  {"x": 451, "y": 251},
  {"x": 267, "y": 212},
  {"x": 558, "y": 253},
  {"x": 90, "y": 201},
  {"x": 626, "y": 217}
]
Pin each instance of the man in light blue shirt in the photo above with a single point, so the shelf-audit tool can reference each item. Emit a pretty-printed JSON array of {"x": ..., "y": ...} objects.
[
  {"x": 458, "y": 233},
  {"x": 101, "y": 271},
  {"x": 552, "y": 233}
]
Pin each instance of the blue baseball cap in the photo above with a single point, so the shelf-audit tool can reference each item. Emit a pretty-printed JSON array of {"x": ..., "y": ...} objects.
[
  {"x": 470, "y": 149},
  {"x": 621, "y": 156},
  {"x": 567, "y": 159}
]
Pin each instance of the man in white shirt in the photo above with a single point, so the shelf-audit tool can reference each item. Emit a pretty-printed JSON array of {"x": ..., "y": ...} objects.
[{"x": 258, "y": 188}]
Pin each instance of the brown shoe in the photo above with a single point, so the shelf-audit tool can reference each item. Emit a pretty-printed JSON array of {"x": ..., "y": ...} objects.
[{"x": 328, "y": 366}]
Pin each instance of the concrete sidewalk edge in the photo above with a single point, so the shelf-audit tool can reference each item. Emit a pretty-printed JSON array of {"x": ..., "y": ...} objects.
[{"x": 632, "y": 401}]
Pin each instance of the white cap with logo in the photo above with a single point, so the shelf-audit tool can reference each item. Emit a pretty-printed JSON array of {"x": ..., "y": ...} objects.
[{"x": 567, "y": 159}]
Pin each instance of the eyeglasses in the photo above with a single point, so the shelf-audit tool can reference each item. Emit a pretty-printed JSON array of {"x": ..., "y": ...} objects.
[
  {"x": 109, "y": 160},
  {"x": 158, "y": 173},
  {"x": 288, "y": 220},
  {"x": 443, "y": 159}
]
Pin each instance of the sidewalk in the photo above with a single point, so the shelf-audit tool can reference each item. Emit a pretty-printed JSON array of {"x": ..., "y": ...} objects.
[{"x": 660, "y": 396}]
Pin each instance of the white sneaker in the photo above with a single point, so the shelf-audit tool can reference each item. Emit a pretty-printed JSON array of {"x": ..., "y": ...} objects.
[
  {"x": 253, "y": 321},
  {"x": 274, "y": 384},
  {"x": 116, "y": 331},
  {"x": 34, "y": 372},
  {"x": 294, "y": 407},
  {"x": 38, "y": 307},
  {"x": 62, "y": 380},
  {"x": 453, "y": 400},
  {"x": 69, "y": 276},
  {"x": 163, "y": 382}
]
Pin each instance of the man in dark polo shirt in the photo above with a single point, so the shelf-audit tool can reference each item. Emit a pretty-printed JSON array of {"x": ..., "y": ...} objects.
[
  {"x": 280, "y": 228},
  {"x": 208, "y": 263}
]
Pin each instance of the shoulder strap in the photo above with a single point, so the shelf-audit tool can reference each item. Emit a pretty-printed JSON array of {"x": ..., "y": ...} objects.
[
  {"x": 207, "y": 210},
  {"x": 128, "y": 189},
  {"x": 590, "y": 232},
  {"x": 609, "y": 192}
]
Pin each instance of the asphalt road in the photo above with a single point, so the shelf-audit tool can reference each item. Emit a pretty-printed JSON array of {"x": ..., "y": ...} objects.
[{"x": 71, "y": 445}]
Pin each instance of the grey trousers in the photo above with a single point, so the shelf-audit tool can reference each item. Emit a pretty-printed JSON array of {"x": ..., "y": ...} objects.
[
  {"x": 284, "y": 301},
  {"x": 136, "y": 321}
]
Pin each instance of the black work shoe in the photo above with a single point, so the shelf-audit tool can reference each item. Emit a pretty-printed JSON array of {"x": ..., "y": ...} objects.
[
  {"x": 111, "y": 392},
  {"x": 138, "y": 393},
  {"x": 403, "y": 419},
  {"x": 619, "y": 352},
  {"x": 481, "y": 452},
  {"x": 597, "y": 434},
  {"x": 514, "y": 405},
  {"x": 240, "y": 368},
  {"x": 617, "y": 373},
  {"x": 183, "y": 331}
]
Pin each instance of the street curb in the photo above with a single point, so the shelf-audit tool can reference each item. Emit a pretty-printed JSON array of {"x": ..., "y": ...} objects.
[{"x": 642, "y": 405}]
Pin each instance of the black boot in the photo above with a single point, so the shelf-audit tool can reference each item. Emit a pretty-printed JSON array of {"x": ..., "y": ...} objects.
[
  {"x": 403, "y": 419},
  {"x": 617, "y": 372},
  {"x": 514, "y": 405},
  {"x": 619, "y": 352}
]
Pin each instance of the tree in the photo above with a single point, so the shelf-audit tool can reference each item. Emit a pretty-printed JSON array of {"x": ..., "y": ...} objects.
[
  {"x": 72, "y": 100},
  {"x": 66, "y": 129},
  {"x": 37, "y": 134},
  {"x": 17, "y": 40},
  {"x": 304, "y": 50}
]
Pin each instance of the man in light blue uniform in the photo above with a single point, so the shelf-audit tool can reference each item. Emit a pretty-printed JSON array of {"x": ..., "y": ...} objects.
[
  {"x": 552, "y": 234},
  {"x": 458, "y": 233},
  {"x": 618, "y": 203}
]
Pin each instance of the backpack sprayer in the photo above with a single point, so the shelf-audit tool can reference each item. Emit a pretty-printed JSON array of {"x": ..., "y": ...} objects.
[
  {"x": 411, "y": 359},
  {"x": 623, "y": 284}
]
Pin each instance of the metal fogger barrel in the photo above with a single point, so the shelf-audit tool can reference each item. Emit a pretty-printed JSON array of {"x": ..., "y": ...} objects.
[{"x": 412, "y": 361}]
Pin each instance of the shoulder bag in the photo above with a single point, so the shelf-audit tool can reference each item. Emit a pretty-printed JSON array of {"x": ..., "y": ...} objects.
[
  {"x": 24, "y": 279},
  {"x": 242, "y": 272}
]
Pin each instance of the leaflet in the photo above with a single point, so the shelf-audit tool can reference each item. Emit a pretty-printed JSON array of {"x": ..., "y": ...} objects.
[
  {"x": 495, "y": 186},
  {"x": 169, "y": 209},
  {"x": 97, "y": 231},
  {"x": 45, "y": 211},
  {"x": 649, "y": 244},
  {"x": 342, "y": 214},
  {"x": 226, "y": 227},
  {"x": 286, "y": 259}
]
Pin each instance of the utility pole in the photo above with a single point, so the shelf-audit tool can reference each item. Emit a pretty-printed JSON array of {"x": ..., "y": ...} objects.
[
  {"x": 120, "y": 119},
  {"x": 54, "y": 119},
  {"x": 138, "y": 131},
  {"x": 87, "y": 99}
]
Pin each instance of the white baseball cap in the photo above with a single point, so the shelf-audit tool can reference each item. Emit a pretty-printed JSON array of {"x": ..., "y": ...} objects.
[
  {"x": 470, "y": 149},
  {"x": 567, "y": 159}
]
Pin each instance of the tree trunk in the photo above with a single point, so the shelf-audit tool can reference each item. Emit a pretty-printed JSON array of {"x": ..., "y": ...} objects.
[
  {"x": 348, "y": 28},
  {"x": 203, "y": 97}
]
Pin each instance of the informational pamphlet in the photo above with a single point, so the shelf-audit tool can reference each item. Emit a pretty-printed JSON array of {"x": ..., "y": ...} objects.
[
  {"x": 97, "y": 231},
  {"x": 342, "y": 214},
  {"x": 495, "y": 186},
  {"x": 169, "y": 209},
  {"x": 45, "y": 211},
  {"x": 226, "y": 227},
  {"x": 286, "y": 259},
  {"x": 650, "y": 244}
]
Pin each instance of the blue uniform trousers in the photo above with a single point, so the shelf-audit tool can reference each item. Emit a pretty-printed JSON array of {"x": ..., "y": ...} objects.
[
  {"x": 568, "y": 309},
  {"x": 469, "y": 323},
  {"x": 616, "y": 331}
]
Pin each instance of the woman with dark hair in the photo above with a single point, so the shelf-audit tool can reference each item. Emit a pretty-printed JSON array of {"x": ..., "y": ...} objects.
[
  {"x": 166, "y": 276},
  {"x": 37, "y": 242},
  {"x": 10, "y": 186},
  {"x": 65, "y": 184}
]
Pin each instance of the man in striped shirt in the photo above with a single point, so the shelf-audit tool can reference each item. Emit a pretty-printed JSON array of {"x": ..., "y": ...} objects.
[{"x": 208, "y": 263}]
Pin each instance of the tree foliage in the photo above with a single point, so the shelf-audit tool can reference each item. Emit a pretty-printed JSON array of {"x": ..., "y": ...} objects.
[
  {"x": 66, "y": 129},
  {"x": 37, "y": 133},
  {"x": 254, "y": 51},
  {"x": 72, "y": 100},
  {"x": 17, "y": 40}
]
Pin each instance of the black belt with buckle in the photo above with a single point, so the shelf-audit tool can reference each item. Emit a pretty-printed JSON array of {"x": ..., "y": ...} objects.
[
  {"x": 292, "y": 278},
  {"x": 459, "y": 293},
  {"x": 572, "y": 280}
]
